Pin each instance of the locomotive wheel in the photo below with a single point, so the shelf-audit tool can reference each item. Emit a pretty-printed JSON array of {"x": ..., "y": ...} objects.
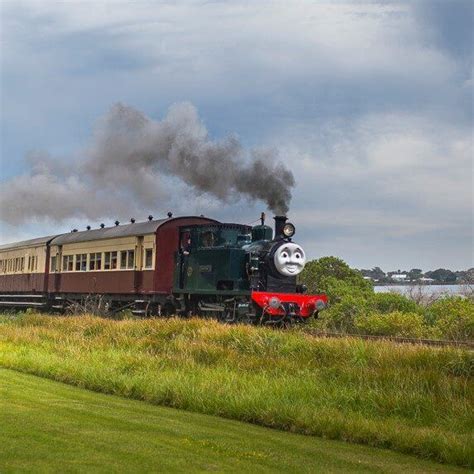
[
  {"x": 169, "y": 309},
  {"x": 266, "y": 319}
]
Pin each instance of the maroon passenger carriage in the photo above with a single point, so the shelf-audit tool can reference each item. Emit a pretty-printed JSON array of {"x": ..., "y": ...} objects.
[{"x": 33, "y": 271}]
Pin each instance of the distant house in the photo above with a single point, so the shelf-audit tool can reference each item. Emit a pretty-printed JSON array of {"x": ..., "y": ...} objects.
[{"x": 399, "y": 276}]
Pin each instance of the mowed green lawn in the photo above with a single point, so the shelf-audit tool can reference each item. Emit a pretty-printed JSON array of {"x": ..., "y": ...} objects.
[{"x": 47, "y": 426}]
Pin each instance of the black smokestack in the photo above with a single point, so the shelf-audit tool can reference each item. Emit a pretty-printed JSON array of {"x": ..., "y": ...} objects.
[
  {"x": 124, "y": 170},
  {"x": 279, "y": 224}
]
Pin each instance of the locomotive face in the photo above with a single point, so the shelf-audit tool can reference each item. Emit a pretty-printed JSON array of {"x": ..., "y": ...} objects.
[{"x": 289, "y": 259}]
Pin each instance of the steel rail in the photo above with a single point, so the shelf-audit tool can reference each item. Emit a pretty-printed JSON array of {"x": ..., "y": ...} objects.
[{"x": 402, "y": 340}]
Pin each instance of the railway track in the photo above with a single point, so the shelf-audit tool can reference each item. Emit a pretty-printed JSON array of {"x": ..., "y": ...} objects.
[{"x": 469, "y": 345}]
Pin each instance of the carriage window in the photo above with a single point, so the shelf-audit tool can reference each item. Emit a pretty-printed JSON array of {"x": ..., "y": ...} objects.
[
  {"x": 81, "y": 262},
  {"x": 53, "y": 264},
  {"x": 95, "y": 261},
  {"x": 123, "y": 259},
  {"x": 110, "y": 260},
  {"x": 127, "y": 259},
  {"x": 148, "y": 258},
  {"x": 68, "y": 263},
  {"x": 130, "y": 259},
  {"x": 22, "y": 264},
  {"x": 113, "y": 260}
]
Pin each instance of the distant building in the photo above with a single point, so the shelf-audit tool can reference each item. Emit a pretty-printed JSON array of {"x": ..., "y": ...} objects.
[{"x": 399, "y": 277}]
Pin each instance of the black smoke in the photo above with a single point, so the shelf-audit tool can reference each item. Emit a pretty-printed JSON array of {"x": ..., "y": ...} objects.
[{"x": 126, "y": 161}]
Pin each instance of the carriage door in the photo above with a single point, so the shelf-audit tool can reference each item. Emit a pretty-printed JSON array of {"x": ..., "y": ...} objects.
[
  {"x": 183, "y": 255},
  {"x": 58, "y": 269},
  {"x": 138, "y": 266}
]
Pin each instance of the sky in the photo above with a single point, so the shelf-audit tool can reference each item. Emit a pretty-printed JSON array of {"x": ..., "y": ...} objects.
[{"x": 369, "y": 104}]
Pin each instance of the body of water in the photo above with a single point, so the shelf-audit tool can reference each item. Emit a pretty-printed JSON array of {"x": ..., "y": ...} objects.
[{"x": 424, "y": 289}]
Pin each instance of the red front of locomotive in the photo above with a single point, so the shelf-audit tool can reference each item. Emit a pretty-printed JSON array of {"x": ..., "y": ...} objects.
[{"x": 289, "y": 304}]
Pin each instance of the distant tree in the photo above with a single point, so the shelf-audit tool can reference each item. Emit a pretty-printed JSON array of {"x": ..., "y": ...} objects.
[
  {"x": 415, "y": 274},
  {"x": 378, "y": 273},
  {"x": 442, "y": 275},
  {"x": 465, "y": 277},
  {"x": 365, "y": 272}
]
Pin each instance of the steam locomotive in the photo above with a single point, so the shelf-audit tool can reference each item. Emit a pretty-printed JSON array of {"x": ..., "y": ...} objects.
[{"x": 179, "y": 265}]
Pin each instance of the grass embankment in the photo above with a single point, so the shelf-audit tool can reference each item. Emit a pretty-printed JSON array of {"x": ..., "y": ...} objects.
[
  {"x": 47, "y": 425},
  {"x": 413, "y": 399}
]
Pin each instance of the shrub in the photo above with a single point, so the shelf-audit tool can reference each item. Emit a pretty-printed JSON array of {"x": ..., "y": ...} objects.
[
  {"x": 389, "y": 302},
  {"x": 341, "y": 315},
  {"x": 334, "y": 277},
  {"x": 349, "y": 294},
  {"x": 453, "y": 317},
  {"x": 395, "y": 323}
]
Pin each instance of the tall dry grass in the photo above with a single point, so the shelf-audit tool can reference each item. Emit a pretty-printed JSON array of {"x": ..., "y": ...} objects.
[{"x": 413, "y": 399}]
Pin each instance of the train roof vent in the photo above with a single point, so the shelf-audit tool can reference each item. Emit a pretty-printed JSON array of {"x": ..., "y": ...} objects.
[
  {"x": 170, "y": 215},
  {"x": 74, "y": 230},
  {"x": 88, "y": 227},
  {"x": 102, "y": 226},
  {"x": 150, "y": 217},
  {"x": 132, "y": 220},
  {"x": 117, "y": 222}
]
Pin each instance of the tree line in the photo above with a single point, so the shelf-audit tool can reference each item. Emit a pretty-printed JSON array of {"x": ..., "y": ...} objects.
[{"x": 416, "y": 275}]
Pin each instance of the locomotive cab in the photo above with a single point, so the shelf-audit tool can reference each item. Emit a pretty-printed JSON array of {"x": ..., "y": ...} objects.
[{"x": 211, "y": 258}]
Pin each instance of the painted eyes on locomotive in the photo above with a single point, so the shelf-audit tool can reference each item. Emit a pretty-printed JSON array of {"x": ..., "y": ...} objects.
[{"x": 289, "y": 259}]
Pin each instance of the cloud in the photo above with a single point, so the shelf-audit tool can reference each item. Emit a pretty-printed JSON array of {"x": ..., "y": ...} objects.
[
  {"x": 370, "y": 103},
  {"x": 384, "y": 179},
  {"x": 448, "y": 25}
]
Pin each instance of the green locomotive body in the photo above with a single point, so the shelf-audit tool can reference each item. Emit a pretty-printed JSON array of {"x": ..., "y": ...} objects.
[{"x": 239, "y": 273}]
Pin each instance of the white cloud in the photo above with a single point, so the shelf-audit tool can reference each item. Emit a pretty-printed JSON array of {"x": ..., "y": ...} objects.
[{"x": 371, "y": 110}]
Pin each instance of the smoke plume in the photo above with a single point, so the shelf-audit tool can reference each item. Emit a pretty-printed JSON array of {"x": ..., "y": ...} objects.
[{"x": 127, "y": 160}]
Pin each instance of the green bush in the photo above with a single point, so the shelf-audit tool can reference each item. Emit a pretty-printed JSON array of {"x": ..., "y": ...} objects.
[
  {"x": 389, "y": 302},
  {"x": 396, "y": 323},
  {"x": 341, "y": 315},
  {"x": 354, "y": 307},
  {"x": 333, "y": 276},
  {"x": 453, "y": 317},
  {"x": 349, "y": 294}
]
